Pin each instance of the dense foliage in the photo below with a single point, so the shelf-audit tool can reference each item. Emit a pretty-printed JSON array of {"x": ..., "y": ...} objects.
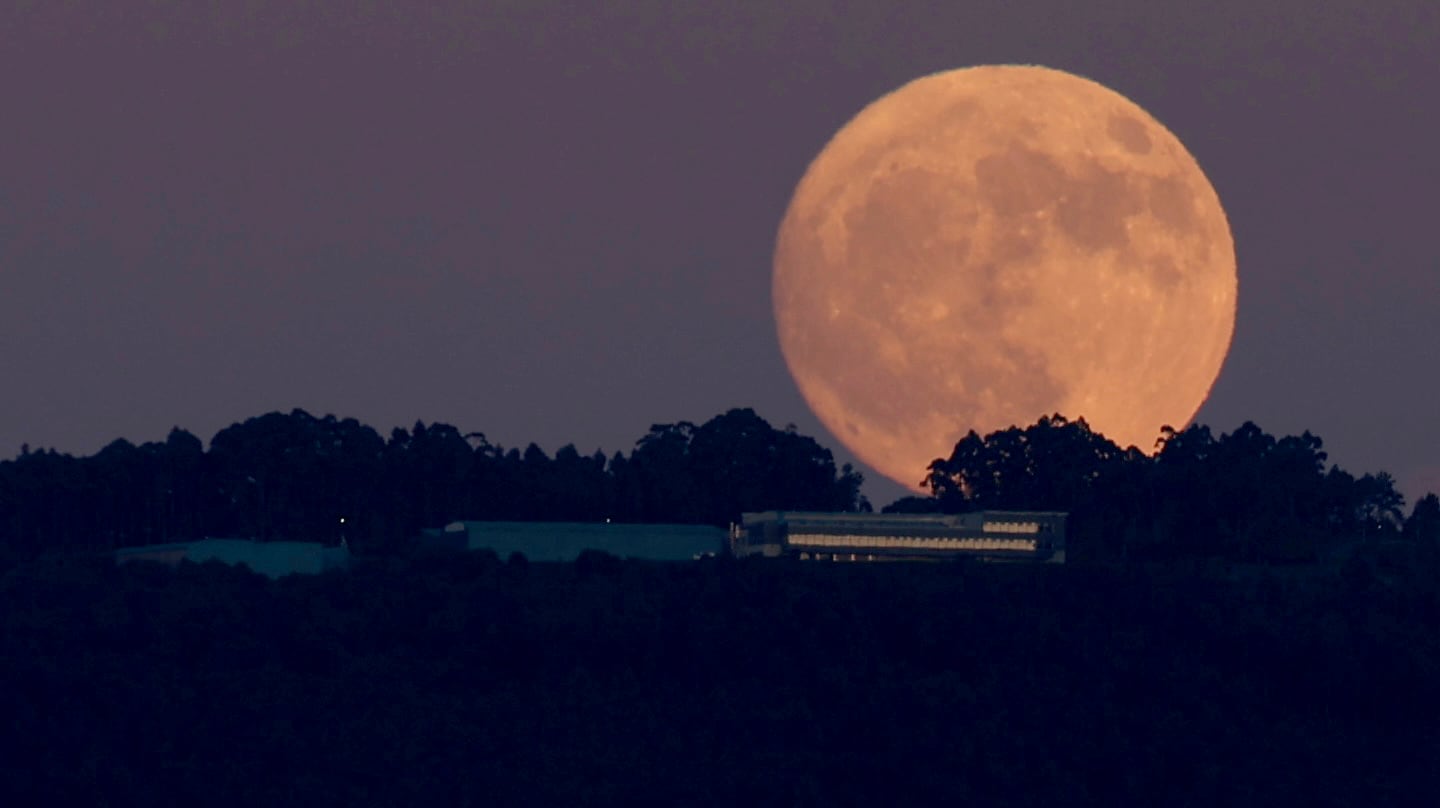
[
  {"x": 296, "y": 476},
  {"x": 471, "y": 681},
  {"x": 1245, "y": 495}
]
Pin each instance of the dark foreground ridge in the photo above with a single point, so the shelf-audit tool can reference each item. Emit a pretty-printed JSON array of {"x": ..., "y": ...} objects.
[{"x": 467, "y": 680}]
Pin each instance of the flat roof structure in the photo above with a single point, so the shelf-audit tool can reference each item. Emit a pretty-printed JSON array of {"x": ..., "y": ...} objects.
[
  {"x": 565, "y": 541},
  {"x": 274, "y": 559}
]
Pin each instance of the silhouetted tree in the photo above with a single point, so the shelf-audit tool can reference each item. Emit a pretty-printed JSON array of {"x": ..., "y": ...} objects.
[
  {"x": 184, "y": 498},
  {"x": 1424, "y": 522},
  {"x": 1245, "y": 495},
  {"x": 575, "y": 489},
  {"x": 661, "y": 476},
  {"x": 295, "y": 476},
  {"x": 1378, "y": 505},
  {"x": 426, "y": 475}
]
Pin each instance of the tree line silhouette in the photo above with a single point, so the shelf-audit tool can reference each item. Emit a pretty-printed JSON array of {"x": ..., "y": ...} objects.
[
  {"x": 1244, "y": 495},
  {"x": 296, "y": 476}
]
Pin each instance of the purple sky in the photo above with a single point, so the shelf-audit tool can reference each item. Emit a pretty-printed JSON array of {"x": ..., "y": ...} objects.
[{"x": 554, "y": 222}]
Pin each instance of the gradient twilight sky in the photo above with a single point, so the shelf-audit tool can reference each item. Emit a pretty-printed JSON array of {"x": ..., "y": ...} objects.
[{"x": 553, "y": 222}]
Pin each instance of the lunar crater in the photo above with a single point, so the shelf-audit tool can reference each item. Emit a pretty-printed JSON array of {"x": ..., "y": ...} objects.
[{"x": 1129, "y": 133}]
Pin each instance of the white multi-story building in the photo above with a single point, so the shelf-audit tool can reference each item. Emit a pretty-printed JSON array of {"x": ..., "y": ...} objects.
[{"x": 992, "y": 535}]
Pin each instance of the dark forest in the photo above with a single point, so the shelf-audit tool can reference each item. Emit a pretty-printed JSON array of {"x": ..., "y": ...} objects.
[{"x": 1241, "y": 622}]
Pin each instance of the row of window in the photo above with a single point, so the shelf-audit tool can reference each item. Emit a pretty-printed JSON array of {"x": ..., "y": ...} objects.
[
  {"x": 910, "y": 542},
  {"x": 1011, "y": 527}
]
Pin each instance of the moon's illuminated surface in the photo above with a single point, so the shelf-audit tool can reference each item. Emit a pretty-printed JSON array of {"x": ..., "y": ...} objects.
[{"x": 985, "y": 246}]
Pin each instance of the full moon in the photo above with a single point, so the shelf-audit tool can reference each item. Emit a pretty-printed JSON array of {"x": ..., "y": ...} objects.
[{"x": 985, "y": 246}]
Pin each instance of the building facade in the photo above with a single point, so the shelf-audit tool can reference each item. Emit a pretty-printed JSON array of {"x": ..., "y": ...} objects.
[{"x": 988, "y": 535}]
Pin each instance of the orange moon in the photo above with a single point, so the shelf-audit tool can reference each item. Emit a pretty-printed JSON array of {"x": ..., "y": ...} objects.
[{"x": 984, "y": 246}]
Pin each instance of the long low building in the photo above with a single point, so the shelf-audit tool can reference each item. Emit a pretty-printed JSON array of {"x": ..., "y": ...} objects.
[
  {"x": 565, "y": 541},
  {"x": 990, "y": 535},
  {"x": 274, "y": 559}
]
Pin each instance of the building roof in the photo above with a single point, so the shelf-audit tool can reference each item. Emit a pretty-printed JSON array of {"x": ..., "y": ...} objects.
[
  {"x": 565, "y": 541},
  {"x": 897, "y": 518},
  {"x": 273, "y": 559},
  {"x": 911, "y": 524}
]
